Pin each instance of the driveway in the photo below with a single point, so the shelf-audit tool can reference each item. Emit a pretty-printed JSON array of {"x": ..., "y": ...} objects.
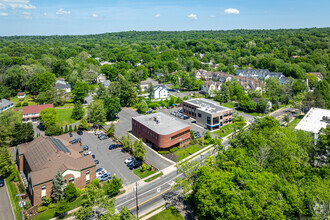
[
  {"x": 111, "y": 160},
  {"x": 5, "y": 207}
]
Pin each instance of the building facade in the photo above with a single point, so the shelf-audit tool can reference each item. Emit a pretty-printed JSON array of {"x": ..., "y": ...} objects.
[
  {"x": 160, "y": 92},
  {"x": 207, "y": 113},
  {"x": 40, "y": 160},
  {"x": 161, "y": 131},
  {"x": 5, "y": 105},
  {"x": 32, "y": 113}
]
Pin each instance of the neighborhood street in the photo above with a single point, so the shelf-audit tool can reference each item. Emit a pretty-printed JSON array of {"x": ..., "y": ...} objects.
[{"x": 5, "y": 207}]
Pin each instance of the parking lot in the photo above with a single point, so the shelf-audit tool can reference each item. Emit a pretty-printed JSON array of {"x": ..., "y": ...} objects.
[{"x": 111, "y": 160}]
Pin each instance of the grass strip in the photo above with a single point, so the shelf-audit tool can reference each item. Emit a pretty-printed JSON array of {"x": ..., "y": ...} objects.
[
  {"x": 12, "y": 191},
  {"x": 154, "y": 177},
  {"x": 169, "y": 213},
  {"x": 143, "y": 174}
]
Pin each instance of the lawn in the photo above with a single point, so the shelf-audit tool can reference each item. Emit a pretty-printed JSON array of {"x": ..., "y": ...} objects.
[
  {"x": 64, "y": 117},
  {"x": 229, "y": 104},
  {"x": 12, "y": 191},
  {"x": 250, "y": 113},
  {"x": 227, "y": 130},
  {"x": 294, "y": 123},
  {"x": 185, "y": 152},
  {"x": 27, "y": 99},
  {"x": 154, "y": 177},
  {"x": 144, "y": 174},
  {"x": 169, "y": 213}
]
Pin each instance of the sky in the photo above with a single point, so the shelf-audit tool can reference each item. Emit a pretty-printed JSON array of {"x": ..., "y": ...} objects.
[{"x": 77, "y": 17}]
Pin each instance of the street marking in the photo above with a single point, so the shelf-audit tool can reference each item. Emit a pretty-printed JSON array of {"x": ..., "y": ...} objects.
[
  {"x": 171, "y": 183},
  {"x": 158, "y": 189}
]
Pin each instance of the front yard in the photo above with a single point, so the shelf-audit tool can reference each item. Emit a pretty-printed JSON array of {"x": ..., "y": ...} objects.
[
  {"x": 143, "y": 174},
  {"x": 64, "y": 117},
  {"x": 227, "y": 129},
  {"x": 169, "y": 213}
]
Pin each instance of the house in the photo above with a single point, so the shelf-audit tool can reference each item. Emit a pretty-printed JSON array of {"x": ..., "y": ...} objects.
[
  {"x": 160, "y": 130},
  {"x": 21, "y": 95},
  {"x": 160, "y": 75},
  {"x": 106, "y": 83},
  {"x": 5, "y": 105},
  {"x": 60, "y": 80},
  {"x": 160, "y": 92},
  {"x": 144, "y": 85},
  {"x": 207, "y": 113},
  {"x": 253, "y": 73},
  {"x": 317, "y": 74},
  {"x": 32, "y": 113},
  {"x": 101, "y": 78},
  {"x": 269, "y": 103},
  {"x": 65, "y": 87},
  {"x": 41, "y": 159},
  {"x": 210, "y": 87},
  {"x": 283, "y": 79}
]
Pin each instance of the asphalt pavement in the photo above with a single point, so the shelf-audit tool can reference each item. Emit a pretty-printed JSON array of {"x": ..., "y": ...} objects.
[
  {"x": 5, "y": 206},
  {"x": 111, "y": 160}
]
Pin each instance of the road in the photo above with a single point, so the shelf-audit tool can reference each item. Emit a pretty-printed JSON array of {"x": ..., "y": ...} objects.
[
  {"x": 281, "y": 113},
  {"x": 5, "y": 207}
]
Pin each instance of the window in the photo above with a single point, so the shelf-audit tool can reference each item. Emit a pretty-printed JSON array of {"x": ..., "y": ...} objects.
[
  {"x": 87, "y": 172},
  {"x": 180, "y": 134},
  {"x": 220, "y": 117},
  {"x": 199, "y": 115},
  {"x": 208, "y": 120},
  {"x": 216, "y": 120},
  {"x": 43, "y": 187},
  {"x": 43, "y": 191},
  {"x": 87, "y": 177},
  {"x": 71, "y": 180}
]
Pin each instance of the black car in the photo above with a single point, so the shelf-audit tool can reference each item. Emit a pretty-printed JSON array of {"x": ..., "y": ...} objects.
[
  {"x": 74, "y": 141},
  {"x": 80, "y": 132},
  {"x": 135, "y": 164},
  {"x": 93, "y": 156},
  {"x": 70, "y": 134},
  {"x": 2, "y": 182},
  {"x": 197, "y": 135},
  {"x": 113, "y": 146},
  {"x": 96, "y": 161},
  {"x": 85, "y": 147}
]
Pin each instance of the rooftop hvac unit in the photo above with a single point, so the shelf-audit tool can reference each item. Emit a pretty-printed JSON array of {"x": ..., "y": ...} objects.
[{"x": 326, "y": 119}]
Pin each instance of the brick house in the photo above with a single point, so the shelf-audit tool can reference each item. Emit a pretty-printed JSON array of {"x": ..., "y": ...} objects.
[
  {"x": 39, "y": 160},
  {"x": 161, "y": 131}
]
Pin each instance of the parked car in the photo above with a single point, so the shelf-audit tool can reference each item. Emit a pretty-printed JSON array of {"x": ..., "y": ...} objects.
[
  {"x": 197, "y": 135},
  {"x": 74, "y": 141},
  {"x": 180, "y": 111},
  {"x": 80, "y": 132},
  {"x": 2, "y": 182},
  {"x": 98, "y": 174},
  {"x": 113, "y": 146},
  {"x": 149, "y": 112},
  {"x": 105, "y": 177},
  {"x": 93, "y": 156},
  {"x": 103, "y": 137},
  {"x": 128, "y": 160},
  {"x": 99, "y": 132},
  {"x": 85, "y": 147},
  {"x": 100, "y": 169},
  {"x": 87, "y": 153},
  {"x": 70, "y": 134},
  {"x": 96, "y": 161},
  {"x": 135, "y": 164}
]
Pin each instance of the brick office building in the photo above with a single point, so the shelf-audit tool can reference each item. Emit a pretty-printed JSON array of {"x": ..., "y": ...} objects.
[
  {"x": 161, "y": 131},
  {"x": 207, "y": 113},
  {"x": 40, "y": 160}
]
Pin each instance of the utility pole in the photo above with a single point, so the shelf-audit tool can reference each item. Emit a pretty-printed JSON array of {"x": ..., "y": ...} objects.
[
  {"x": 21, "y": 204},
  {"x": 137, "y": 203}
]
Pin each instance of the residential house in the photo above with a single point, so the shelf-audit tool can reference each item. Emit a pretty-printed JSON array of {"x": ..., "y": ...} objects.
[
  {"x": 144, "y": 85},
  {"x": 317, "y": 74},
  {"x": 60, "y": 80},
  {"x": 41, "y": 159},
  {"x": 101, "y": 78},
  {"x": 65, "y": 87},
  {"x": 261, "y": 74},
  {"x": 105, "y": 62},
  {"x": 210, "y": 87},
  {"x": 283, "y": 79},
  {"x": 106, "y": 83},
  {"x": 21, "y": 95},
  {"x": 32, "y": 113},
  {"x": 5, "y": 104},
  {"x": 160, "y": 92}
]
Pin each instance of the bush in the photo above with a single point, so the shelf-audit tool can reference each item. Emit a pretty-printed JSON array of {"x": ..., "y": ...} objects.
[
  {"x": 174, "y": 149},
  {"x": 42, "y": 209},
  {"x": 163, "y": 152},
  {"x": 96, "y": 182},
  {"x": 53, "y": 130},
  {"x": 21, "y": 188},
  {"x": 27, "y": 205},
  {"x": 70, "y": 128},
  {"x": 51, "y": 206},
  {"x": 78, "y": 192},
  {"x": 25, "y": 104},
  {"x": 143, "y": 167},
  {"x": 149, "y": 168},
  {"x": 70, "y": 192},
  {"x": 75, "y": 128},
  {"x": 18, "y": 104},
  {"x": 46, "y": 201},
  {"x": 63, "y": 207}
]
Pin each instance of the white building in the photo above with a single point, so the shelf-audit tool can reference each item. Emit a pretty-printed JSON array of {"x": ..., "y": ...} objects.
[
  {"x": 21, "y": 95},
  {"x": 5, "y": 105},
  {"x": 160, "y": 92},
  {"x": 314, "y": 121}
]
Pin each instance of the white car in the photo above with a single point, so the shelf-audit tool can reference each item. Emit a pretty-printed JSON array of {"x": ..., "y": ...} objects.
[
  {"x": 101, "y": 173},
  {"x": 87, "y": 153},
  {"x": 99, "y": 132},
  {"x": 128, "y": 160}
]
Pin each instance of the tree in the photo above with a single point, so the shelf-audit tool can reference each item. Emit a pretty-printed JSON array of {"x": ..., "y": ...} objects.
[
  {"x": 23, "y": 133},
  {"x": 66, "y": 129},
  {"x": 97, "y": 114},
  {"x": 48, "y": 117},
  {"x": 80, "y": 91},
  {"x": 262, "y": 105},
  {"x": 83, "y": 213},
  {"x": 112, "y": 107},
  {"x": 127, "y": 145},
  {"x": 143, "y": 107},
  {"x": 78, "y": 111},
  {"x": 312, "y": 80},
  {"x": 58, "y": 186},
  {"x": 112, "y": 130},
  {"x": 42, "y": 82},
  {"x": 83, "y": 124},
  {"x": 6, "y": 163},
  {"x": 139, "y": 150},
  {"x": 113, "y": 186},
  {"x": 70, "y": 192},
  {"x": 150, "y": 90}
]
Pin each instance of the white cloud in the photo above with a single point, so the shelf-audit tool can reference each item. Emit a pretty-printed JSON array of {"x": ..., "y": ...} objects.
[
  {"x": 62, "y": 12},
  {"x": 157, "y": 15},
  {"x": 16, "y": 4},
  {"x": 94, "y": 15},
  {"x": 192, "y": 16},
  {"x": 232, "y": 11},
  {"x": 45, "y": 14},
  {"x": 27, "y": 15},
  {"x": 3, "y": 14},
  {"x": 212, "y": 16}
]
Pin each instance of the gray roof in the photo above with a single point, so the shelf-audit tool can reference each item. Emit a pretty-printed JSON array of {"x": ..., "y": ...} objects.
[
  {"x": 106, "y": 82},
  {"x": 4, "y": 103},
  {"x": 313, "y": 120},
  {"x": 161, "y": 123},
  {"x": 207, "y": 105},
  {"x": 161, "y": 87},
  {"x": 62, "y": 86}
]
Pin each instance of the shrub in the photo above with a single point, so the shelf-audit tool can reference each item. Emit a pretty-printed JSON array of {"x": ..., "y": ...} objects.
[
  {"x": 78, "y": 192},
  {"x": 70, "y": 192},
  {"x": 21, "y": 187},
  {"x": 96, "y": 182},
  {"x": 62, "y": 208},
  {"x": 25, "y": 104},
  {"x": 42, "y": 209},
  {"x": 46, "y": 201},
  {"x": 18, "y": 104},
  {"x": 143, "y": 167},
  {"x": 163, "y": 152},
  {"x": 149, "y": 168},
  {"x": 70, "y": 128},
  {"x": 51, "y": 206},
  {"x": 75, "y": 128},
  {"x": 27, "y": 205},
  {"x": 66, "y": 129},
  {"x": 174, "y": 149}
]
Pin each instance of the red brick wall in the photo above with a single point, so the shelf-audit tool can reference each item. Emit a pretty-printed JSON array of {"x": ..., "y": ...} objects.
[
  {"x": 37, "y": 199},
  {"x": 162, "y": 142}
]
